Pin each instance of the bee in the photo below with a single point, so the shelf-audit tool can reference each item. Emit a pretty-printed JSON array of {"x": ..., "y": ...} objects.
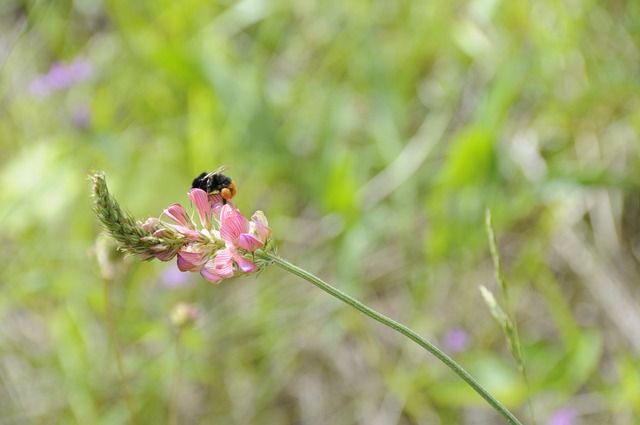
[{"x": 216, "y": 182}]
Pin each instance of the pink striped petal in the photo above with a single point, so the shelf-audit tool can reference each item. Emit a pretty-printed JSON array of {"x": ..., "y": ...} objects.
[
  {"x": 191, "y": 234},
  {"x": 245, "y": 265},
  {"x": 178, "y": 214},
  {"x": 210, "y": 276},
  {"x": 217, "y": 202},
  {"x": 162, "y": 252},
  {"x": 249, "y": 242},
  {"x": 261, "y": 226},
  {"x": 200, "y": 198},
  {"x": 232, "y": 224},
  {"x": 225, "y": 212},
  {"x": 164, "y": 255},
  {"x": 223, "y": 263},
  {"x": 190, "y": 261}
]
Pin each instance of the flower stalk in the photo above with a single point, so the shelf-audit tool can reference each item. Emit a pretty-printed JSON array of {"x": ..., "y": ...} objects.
[
  {"x": 146, "y": 240},
  {"x": 448, "y": 361}
]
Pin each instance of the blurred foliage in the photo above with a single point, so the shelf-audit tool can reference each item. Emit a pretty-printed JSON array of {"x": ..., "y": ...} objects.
[{"x": 374, "y": 135}]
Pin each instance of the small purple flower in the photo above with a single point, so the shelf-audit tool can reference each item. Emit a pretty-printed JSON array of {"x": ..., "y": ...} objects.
[
  {"x": 61, "y": 76},
  {"x": 564, "y": 416},
  {"x": 455, "y": 340}
]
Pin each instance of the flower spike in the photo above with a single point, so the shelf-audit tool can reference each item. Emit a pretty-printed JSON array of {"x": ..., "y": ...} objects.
[{"x": 221, "y": 249}]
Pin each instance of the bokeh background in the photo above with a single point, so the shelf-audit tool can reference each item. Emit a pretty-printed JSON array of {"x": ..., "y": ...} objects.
[{"x": 374, "y": 135}]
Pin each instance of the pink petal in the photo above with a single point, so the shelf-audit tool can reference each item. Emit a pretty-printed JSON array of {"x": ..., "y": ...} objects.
[
  {"x": 190, "y": 261},
  {"x": 162, "y": 253},
  {"x": 225, "y": 212},
  {"x": 217, "y": 202},
  {"x": 210, "y": 276},
  {"x": 223, "y": 263},
  {"x": 245, "y": 265},
  {"x": 200, "y": 198},
  {"x": 151, "y": 225},
  {"x": 249, "y": 242},
  {"x": 178, "y": 214},
  {"x": 163, "y": 233},
  {"x": 232, "y": 224},
  {"x": 261, "y": 226},
  {"x": 191, "y": 234}
]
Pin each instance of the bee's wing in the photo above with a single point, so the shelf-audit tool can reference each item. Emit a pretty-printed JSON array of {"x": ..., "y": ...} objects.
[{"x": 218, "y": 171}]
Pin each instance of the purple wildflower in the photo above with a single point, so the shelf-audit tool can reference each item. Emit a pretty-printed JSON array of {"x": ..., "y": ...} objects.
[
  {"x": 456, "y": 340},
  {"x": 564, "y": 416},
  {"x": 61, "y": 76}
]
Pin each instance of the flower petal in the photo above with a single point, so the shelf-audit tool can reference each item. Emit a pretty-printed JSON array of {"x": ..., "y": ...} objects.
[
  {"x": 260, "y": 226},
  {"x": 225, "y": 212},
  {"x": 245, "y": 265},
  {"x": 249, "y": 242},
  {"x": 210, "y": 276},
  {"x": 223, "y": 263},
  {"x": 190, "y": 261},
  {"x": 232, "y": 224},
  {"x": 200, "y": 198},
  {"x": 190, "y": 234},
  {"x": 178, "y": 214},
  {"x": 151, "y": 225},
  {"x": 163, "y": 233},
  {"x": 162, "y": 252},
  {"x": 217, "y": 202}
]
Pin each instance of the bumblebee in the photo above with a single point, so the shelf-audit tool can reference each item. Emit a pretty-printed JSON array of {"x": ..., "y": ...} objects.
[{"x": 216, "y": 182}]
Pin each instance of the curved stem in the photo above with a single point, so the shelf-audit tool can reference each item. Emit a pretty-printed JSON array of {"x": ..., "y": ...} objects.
[{"x": 395, "y": 326}]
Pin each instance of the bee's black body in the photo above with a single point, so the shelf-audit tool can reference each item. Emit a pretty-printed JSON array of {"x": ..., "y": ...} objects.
[
  {"x": 216, "y": 182},
  {"x": 211, "y": 183}
]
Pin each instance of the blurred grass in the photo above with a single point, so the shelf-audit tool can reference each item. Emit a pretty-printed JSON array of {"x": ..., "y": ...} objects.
[{"x": 530, "y": 109}]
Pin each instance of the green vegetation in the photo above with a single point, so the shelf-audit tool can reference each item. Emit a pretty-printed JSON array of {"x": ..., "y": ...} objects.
[{"x": 374, "y": 136}]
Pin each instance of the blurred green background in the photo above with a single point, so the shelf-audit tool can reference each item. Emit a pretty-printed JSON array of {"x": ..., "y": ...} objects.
[{"x": 374, "y": 135}]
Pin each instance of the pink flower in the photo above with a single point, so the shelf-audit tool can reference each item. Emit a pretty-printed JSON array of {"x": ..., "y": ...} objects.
[
  {"x": 178, "y": 214},
  {"x": 216, "y": 253},
  {"x": 205, "y": 208},
  {"x": 185, "y": 225},
  {"x": 235, "y": 230},
  {"x": 190, "y": 259},
  {"x": 227, "y": 263},
  {"x": 260, "y": 226}
]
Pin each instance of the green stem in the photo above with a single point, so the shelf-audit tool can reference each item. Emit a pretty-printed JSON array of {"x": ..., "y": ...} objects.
[{"x": 395, "y": 326}]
